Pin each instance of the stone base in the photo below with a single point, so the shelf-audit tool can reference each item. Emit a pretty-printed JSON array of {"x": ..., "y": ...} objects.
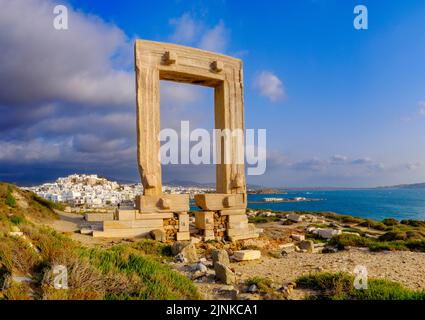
[
  {"x": 131, "y": 223},
  {"x": 225, "y": 225}
]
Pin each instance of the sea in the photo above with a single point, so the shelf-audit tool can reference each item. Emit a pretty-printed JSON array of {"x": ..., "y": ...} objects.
[{"x": 366, "y": 203}]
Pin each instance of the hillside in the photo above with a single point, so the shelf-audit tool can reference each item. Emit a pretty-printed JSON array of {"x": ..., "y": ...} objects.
[
  {"x": 18, "y": 206},
  {"x": 29, "y": 251},
  {"x": 405, "y": 186}
]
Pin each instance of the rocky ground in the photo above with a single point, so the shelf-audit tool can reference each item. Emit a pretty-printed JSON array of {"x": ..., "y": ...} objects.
[{"x": 281, "y": 263}]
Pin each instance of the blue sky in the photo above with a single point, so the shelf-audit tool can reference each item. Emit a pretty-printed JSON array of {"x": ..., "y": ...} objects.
[{"x": 342, "y": 107}]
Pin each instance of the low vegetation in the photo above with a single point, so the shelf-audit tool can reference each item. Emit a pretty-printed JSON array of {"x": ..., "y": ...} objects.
[
  {"x": 255, "y": 219},
  {"x": 340, "y": 286},
  {"x": 263, "y": 284},
  {"x": 389, "y": 234},
  {"x": 124, "y": 271}
]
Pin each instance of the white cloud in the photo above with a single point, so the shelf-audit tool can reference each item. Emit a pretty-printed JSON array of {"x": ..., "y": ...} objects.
[
  {"x": 337, "y": 158},
  {"x": 30, "y": 151},
  {"x": 82, "y": 64},
  {"x": 421, "y": 105},
  {"x": 185, "y": 29},
  {"x": 412, "y": 166},
  {"x": 364, "y": 160},
  {"x": 270, "y": 86},
  {"x": 188, "y": 31},
  {"x": 215, "y": 39}
]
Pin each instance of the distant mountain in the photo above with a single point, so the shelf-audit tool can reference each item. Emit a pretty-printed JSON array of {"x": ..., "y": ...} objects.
[
  {"x": 188, "y": 183},
  {"x": 405, "y": 186}
]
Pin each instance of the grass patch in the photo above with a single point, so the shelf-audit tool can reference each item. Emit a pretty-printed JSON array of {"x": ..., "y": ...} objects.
[
  {"x": 343, "y": 241},
  {"x": 124, "y": 271},
  {"x": 17, "y": 220},
  {"x": 372, "y": 224},
  {"x": 263, "y": 284},
  {"x": 47, "y": 203},
  {"x": 356, "y": 230},
  {"x": 340, "y": 286},
  {"x": 10, "y": 199},
  {"x": 262, "y": 219},
  {"x": 275, "y": 254}
]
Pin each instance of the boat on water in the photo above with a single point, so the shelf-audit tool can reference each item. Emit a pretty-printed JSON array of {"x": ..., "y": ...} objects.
[{"x": 273, "y": 199}]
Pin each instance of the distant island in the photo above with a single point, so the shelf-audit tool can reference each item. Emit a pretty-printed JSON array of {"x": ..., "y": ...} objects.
[
  {"x": 266, "y": 191},
  {"x": 405, "y": 186}
]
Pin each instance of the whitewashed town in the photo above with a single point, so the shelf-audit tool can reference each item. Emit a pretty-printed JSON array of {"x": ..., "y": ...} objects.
[{"x": 92, "y": 191}]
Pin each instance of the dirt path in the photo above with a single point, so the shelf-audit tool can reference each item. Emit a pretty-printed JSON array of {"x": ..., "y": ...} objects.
[{"x": 70, "y": 224}]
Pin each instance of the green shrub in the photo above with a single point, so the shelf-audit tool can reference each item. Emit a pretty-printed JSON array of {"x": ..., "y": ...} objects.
[
  {"x": 390, "y": 222},
  {"x": 262, "y": 219},
  {"x": 340, "y": 286},
  {"x": 413, "y": 223},
  {"x": 263, "y": 284},
  {"x": 10, "y": 199},
  {"x": 17, "y": 220},
  {"x": 416, "y": 245},
  {"x": 369, "y": 223},
  {"x": 349, "y": 240}
]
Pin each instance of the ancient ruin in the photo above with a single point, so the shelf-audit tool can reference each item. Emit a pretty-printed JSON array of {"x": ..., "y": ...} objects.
[{"x": 222, "y": 214}]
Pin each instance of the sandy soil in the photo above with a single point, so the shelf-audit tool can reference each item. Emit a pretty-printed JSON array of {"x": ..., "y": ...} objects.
[
  {"x": 70, "y": 224},
  {"x": 407, "y": 268}
]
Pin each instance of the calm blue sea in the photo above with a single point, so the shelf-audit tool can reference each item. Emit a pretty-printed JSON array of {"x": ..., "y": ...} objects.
[{"x": 367, "y": 203}]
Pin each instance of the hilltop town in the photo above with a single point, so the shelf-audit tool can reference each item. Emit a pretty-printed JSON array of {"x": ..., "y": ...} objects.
[{"x": 92, "y": 191}]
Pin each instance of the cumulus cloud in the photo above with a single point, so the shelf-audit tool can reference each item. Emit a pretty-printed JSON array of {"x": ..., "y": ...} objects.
[
  {"x": 313, "y": 164},
  {"x": 39, "y": 63},
  {"x": 421, "y": 105},
  {"x": 364, "y": 160},
  {"x": 270, "y": 86},
  {"x": 67, "y": 97},
  {"x": 185, "y": 29},
  {"x": 31, "y": 151},
  {"x": 337, "y": 158},
  {"x": 215, "y": 39},
  {"x": 189, "y": 31}
]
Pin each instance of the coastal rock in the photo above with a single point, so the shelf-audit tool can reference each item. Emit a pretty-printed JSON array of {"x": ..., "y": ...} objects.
[
  {"x": 294, "y": 217},
  {"x": 158, "y": 235},
  {"x": 267, "y": 214},
  {"x": 220, "y": 256},
  {"x": 328, "y": 233},
  {"x": 259, "y": 243},
  {"x": 199, "y": 267},
  {"x": 16, "y": 234},
  {"x": 248, "y": 296},
  {"x": 86, "y": 230},
  {"x": 198, "y": 274},
  {"x": 224, "y": 274},
  {"x": 311, "y": 229},
  {"x": 307, "y": 245},
  {"x": 186, "y": 249},
  {"x": 195, "y": 240},
  {"x": 245, "y": 255},
  {"x": 352, "y": 233},
  {"x": 287, "y": 248},
  {"x": 252, "y": 288},
  {"x": 180, "y": 258},
  {"x": 298, "y": 237}
]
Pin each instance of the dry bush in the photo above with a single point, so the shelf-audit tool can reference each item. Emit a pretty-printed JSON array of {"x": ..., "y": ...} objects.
[
  {"x": 15, "y": 254},
  {"x": 84, "y": 281},
  {"x": 18, "y": 291}
]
